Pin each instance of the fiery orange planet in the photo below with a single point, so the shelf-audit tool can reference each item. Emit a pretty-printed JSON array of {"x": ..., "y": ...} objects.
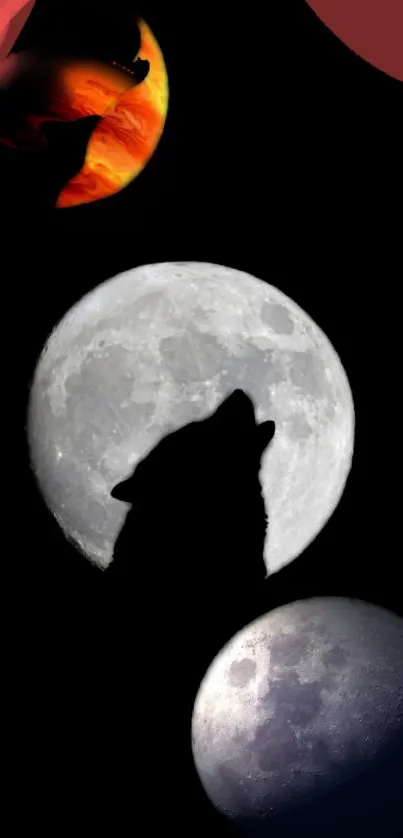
[{"x": 132, "y": 124}]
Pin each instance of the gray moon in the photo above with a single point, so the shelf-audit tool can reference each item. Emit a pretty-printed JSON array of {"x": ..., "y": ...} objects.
[
  {"x": 298, "y": 723},
  {"x": 162, "y": 345}
]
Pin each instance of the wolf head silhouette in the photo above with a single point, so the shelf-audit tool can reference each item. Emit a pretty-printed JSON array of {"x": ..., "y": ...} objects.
[
  {"x": 32, "y": 180},
  {"x": 198, "y": 517},
  {"x": 66, "y": 150}
]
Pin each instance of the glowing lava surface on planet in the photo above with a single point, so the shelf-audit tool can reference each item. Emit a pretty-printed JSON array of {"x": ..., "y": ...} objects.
[
  {"x": 133, "y": 113},
  {"x": 132, "y": 124}
]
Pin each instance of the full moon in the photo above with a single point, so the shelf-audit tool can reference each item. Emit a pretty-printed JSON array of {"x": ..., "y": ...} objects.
[
  {"x": 161, "y": 345},
  {"x": 298, "y": 723}
]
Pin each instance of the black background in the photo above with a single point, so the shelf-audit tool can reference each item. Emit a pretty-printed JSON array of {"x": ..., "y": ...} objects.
[{"x": 280, "y": 157}]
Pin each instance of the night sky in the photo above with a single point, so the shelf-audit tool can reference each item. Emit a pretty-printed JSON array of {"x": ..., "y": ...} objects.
[{"x": 281, "y": 156}]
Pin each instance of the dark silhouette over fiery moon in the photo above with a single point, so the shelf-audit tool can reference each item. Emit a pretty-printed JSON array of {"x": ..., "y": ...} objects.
[{"x": 41, "y": 81}]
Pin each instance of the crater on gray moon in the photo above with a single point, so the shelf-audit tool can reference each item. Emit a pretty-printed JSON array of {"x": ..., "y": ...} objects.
[
  {"x": 161, "y": 345},
  {"x": 305, "y": 701}
]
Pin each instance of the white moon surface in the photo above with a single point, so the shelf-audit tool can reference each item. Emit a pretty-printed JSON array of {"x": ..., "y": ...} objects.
[
  {"x": 299, "y": 703},
  {"x": 162, "y": 345}
]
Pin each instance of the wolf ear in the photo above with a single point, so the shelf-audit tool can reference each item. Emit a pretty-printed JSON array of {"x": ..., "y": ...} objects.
[
  {"x": 123, "y": 491},
  {"x": 236, "y": 407},
  {"x": 265, "y": 433},
  {"x": 141, "y": 69}
]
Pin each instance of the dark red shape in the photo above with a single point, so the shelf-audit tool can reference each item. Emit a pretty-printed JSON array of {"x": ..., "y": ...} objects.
[{"x": 371, "y": 28}]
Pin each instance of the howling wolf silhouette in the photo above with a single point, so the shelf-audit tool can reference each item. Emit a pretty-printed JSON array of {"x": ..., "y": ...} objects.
[
  {"x": 197, "y": 525},
  {"x": 31, "y": 180},
  {"x": 187, "y": 573}
]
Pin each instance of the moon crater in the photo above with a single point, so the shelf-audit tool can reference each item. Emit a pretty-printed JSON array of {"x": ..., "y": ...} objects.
[
  {"x": 324, "y": 710},
  {"x": 161, "y": 345}
]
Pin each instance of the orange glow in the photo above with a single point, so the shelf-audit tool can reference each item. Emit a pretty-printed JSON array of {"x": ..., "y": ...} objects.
[{"x": 132, "y": 124}]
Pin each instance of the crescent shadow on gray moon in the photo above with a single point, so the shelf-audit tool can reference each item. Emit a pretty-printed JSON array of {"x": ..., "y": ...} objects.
[
  {"x": 161, "y": 345},
  {"x": 304, "y": 706}
]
